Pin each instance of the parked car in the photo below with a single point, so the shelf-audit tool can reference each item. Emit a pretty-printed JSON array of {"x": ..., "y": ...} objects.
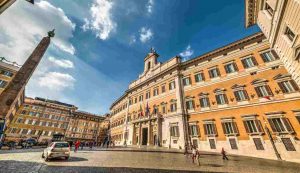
[{"x": 57, "y": 149}]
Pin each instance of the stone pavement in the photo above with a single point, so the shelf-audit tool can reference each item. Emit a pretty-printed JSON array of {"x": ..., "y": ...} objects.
[{"x": 139, "y": 162}]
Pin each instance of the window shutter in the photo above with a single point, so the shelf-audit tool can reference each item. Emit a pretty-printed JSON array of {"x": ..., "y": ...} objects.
[
  {"x": 246, "y": 127},
  {"x": 258, "y": 92},
  {"x": 244, "y": 64},
  {"x": 272, "y": 125},
  {"x": 246, "y": 94},
  {"x": 218, "y": 71},
  {"x": 205, "y": 129},
  {"x": 207, "y": 100},
  {"x": 202, "y": 75},
  {"x": 235, "y": 66},
  {"x": 201, "y": 102},
  {"x": 215, "y": 129},
  {"x": 210, "y": 74},
  {"x": 254, "y": 60},
  {"x": 288, "y": 125},
  {"x": 274, "y": 54},
  {"x": 193, "y": 103},
  {"x": 226, "y": 68},
  {"x": 269, "y": 90},
  {"x": 235, "y": 128},
  {"x": 282, "y": 87},
  {"x": 236, "y": 96},
  {"x": 198, "y": 130},
  {"x": 196, "y": 78},
  {"x": 217, "y": 98},
  {"x": 263, "y": 56},
  {"x": 259, "y": 126},
  {"x": 225, "y": 97},
  {"x": 294, "y": 85},
  {"x": 224, "y": 129}
]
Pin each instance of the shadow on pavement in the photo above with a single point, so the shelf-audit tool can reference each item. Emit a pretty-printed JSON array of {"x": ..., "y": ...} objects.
[
  {"x": 71, "y": 159},
  {"x": 12, "y": 166},
  {"x": 21, "y": 150}
]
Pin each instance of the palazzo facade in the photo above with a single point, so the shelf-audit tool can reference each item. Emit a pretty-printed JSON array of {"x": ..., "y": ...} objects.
[{"x": 239, "y": 97}]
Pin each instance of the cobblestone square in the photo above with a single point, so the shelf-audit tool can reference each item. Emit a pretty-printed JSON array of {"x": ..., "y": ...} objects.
[{"x": 138, "y": 161}]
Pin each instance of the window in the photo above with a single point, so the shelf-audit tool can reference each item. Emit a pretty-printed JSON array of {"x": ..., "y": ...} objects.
[
  {"x": 135, "y": 100},
  {"x": 141, "y": 98},
  {"x": 221, "y": 99},
  {"x": 147, "y": 94},
  {"x": 174, "y": 131},
  {"x": 204, "y": 102},
  {"x": 155, "y": 92},
  {"x": 258, "y": 144},
  {"x": 290, "y": 34},
  {"x": 163, "y": 88},
  {"x": 2, "y": 83},
  {"x": 229, "y": 128},
  {"x": 210, "y": 129},
  {"x": 173, "y": 107},
  {"x": 194, "y": 130},
  {"x": 212, "y": 143},
  {"x": 199, "y": 77},
  {"x": 249, "y": 62},
  {"x": 186, "y": 81},
  {"x": 269, "y": 9},
  {"x": 280, "y": 125},
  {"x": 253, "y": 126},
  {"x": 261, "y": 88},
  {"x": 6, "y": 73},
  {"x": 233, "y": 144},
  {"x": 269, "y": 56},
  {"x": 214, "y": 72},
  {"x": 172, "y": 85},
  {"x": 288, "y": 86},
  {"x": 230, "y": 68},
  {"x": 288, "y": 144},
  {"x": 163, "y": 107},
  {"x": 241, "y": 95},
  {"x": 189, "y": 104}
]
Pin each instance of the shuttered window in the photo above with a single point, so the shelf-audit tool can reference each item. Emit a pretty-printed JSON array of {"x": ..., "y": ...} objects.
[
  {"x": 186, "y": 81},
  {"x": 289, "y": 146},
  {"x": 199, "y": 77},
  {"x": 190, "y": 104},
  {"x": 210, "y": 129},
  {"x": 233, "y": 144},
  {"x": 204, "y": 102},
  {"x": 174, "y": 131},
  {"x": 280, "y": 125},
  {"x": 229, "y": 128},
  {"x": 288, "y": 86},
  {"x": 258, "y": 144},
  {"x": 230, "y": 68},
  {"x": 263, "y": 91},
  {"x": 221, "y": 99},
  {"x": 253, "y": 126},
  {"x": 241, "y": 95},
  {"x": 212, "y": 143},
  {"x": 214, "y": 72},
  {"x": 194, "y": 130},
  {"x": 2, "y": 83},
  {"x": 269, "y": 56},
  {"x": 249, "y": 62}
]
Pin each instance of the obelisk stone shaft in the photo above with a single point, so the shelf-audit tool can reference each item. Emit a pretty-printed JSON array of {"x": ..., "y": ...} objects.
[{"x": 9, "y": 96}]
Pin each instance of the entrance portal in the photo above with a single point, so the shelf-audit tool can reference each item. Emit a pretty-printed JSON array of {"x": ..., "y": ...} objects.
[{"x": 145, "y": 136}]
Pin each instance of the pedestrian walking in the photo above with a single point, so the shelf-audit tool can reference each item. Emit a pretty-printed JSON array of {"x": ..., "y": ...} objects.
[
  {"x": 223, "y": 152},
  {"x": 77, "y": 144},
  {"x": 194, "y": 153}
]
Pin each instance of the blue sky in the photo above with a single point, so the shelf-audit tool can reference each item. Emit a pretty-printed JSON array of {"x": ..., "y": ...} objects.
[{"x": 100, "y": 44}]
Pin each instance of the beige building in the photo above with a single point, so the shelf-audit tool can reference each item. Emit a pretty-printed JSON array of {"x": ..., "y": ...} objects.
[
  {"x": 39, "y": 119},
  {"x": 7, "y": 73},
  {"x": 86, "y": 127},
  {"x": 279, "y": 20},
  {"x": 239, "y": 97}
]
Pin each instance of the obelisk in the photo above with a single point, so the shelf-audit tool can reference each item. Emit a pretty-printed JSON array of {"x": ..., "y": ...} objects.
[{"x": 10, "y": 95}]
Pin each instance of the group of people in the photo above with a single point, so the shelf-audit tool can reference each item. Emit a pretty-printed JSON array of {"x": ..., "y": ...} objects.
[
  {"x": 82, "y": 144},
  {"x": 196, "y": 154}
]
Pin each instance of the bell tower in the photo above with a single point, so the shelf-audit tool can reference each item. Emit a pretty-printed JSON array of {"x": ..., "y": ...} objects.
[{"x": 150, "y": 60}]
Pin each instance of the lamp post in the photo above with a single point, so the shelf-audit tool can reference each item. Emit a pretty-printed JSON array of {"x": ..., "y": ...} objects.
[{"x": 272, "y": 141}]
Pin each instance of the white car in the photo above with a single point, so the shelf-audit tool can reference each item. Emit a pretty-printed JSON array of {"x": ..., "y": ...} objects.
[{"x": 57, "y": 149}]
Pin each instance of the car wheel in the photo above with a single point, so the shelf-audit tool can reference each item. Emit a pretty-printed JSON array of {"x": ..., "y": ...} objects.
[
  {"x": 43, "y": 156},
  {"x": 46, "y": 158}
]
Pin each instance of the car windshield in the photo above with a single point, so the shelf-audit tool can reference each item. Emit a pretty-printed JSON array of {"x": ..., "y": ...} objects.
[{"x": 61, "y": 145}]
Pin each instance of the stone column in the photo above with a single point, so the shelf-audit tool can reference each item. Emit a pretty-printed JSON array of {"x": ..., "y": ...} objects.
[
  {"x": 149, "y": 133},
  {"x": 133, "y": 135}
]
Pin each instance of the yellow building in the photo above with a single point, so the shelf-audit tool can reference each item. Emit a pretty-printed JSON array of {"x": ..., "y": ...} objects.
[
  {"x": 230, "y": 98},
  {"x": 39, "y": 119},
  {"x": 86, "y": 127},
  {"x": 279, "y": 20}
]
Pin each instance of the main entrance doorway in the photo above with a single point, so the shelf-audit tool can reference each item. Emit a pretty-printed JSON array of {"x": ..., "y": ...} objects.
[{"x": 144, "y": 136}]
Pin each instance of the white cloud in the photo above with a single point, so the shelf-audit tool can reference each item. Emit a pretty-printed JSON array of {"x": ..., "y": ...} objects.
[
  {"x": 56, "y": 81},
  {"x": 187, "y": 53},
  {"x": 145, "y": 34},
  {"x": 23, "y": 25},
  {"x": 101, "y": 19},
  {"x": 132, "y": 39},
  {"x": 149, "y": 6},
  {"x": 64, "y": 63}
]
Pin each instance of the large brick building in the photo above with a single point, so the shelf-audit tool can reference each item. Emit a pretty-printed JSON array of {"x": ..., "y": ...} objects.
[{"x": 227, "y": 98}]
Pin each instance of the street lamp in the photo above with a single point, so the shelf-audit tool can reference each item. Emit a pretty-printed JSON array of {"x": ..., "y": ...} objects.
[{"x": 272, "y": 141}]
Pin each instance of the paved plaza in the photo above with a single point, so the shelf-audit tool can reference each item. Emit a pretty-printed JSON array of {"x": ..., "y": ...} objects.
[{"x": 138, "y": 161}]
